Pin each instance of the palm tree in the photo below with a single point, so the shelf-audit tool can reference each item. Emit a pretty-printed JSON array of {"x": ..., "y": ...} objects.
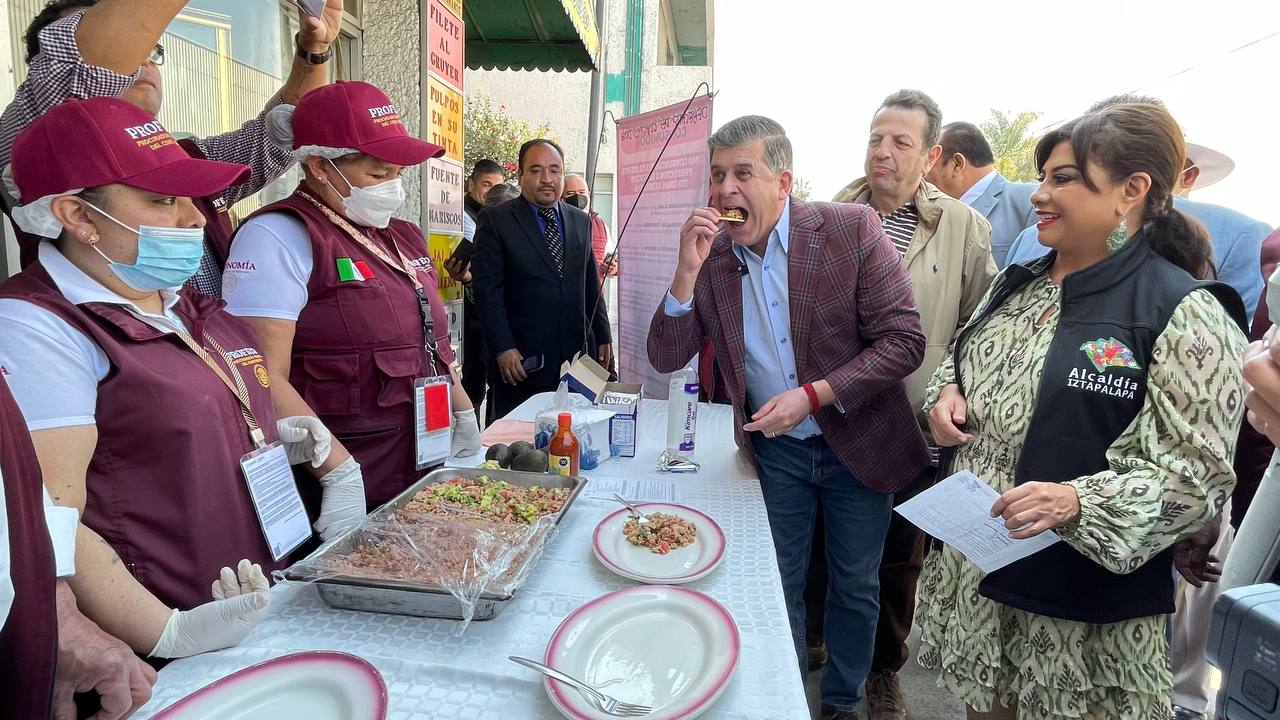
[{"x": 1012, "y": 144}]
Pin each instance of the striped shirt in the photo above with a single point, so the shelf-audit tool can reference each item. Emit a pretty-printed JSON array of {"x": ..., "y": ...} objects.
[{"x": 900, "y": 226}]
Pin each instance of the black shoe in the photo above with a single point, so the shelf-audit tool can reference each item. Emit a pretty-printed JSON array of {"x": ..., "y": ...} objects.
[
  {"x": 817, "y": 656},
  {"x": 1181, "y": 713},
  {"x": 830, "y": 713}
]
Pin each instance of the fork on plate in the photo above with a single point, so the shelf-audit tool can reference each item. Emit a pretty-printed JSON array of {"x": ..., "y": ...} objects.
[
  {"x": 640, "y": 517},
  {"x": 606, "y": 703}
]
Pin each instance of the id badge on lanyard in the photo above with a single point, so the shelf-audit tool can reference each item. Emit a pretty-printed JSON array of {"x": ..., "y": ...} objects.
[
  {"x": 276, "y": 499},
  {"x": 271, "y": 487},
  {"x": 432, "y": 416}
]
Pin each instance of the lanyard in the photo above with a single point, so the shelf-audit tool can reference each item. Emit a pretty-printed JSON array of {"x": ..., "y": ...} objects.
[
  {"x": 403, "y": 266},
  {"x": 237, "y": 387}
]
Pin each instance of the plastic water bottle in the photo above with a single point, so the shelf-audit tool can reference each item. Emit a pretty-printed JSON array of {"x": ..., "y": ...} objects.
[{"x": 682, "y": 411}]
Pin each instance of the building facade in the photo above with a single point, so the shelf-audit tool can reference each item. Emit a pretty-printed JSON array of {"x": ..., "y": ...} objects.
[{"x": 656, "y": 52}]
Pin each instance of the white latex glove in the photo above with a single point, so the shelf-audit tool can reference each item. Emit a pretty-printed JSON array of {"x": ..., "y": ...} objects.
[
  {"x": 466, "y": 433},
  {"x": 305, "y": 439},
  {"x": 342, "y": 501},
  {"x": 240, "y": 601}
]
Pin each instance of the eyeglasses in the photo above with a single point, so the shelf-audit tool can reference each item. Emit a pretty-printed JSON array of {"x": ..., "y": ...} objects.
[{"x": 157, "y": 55}]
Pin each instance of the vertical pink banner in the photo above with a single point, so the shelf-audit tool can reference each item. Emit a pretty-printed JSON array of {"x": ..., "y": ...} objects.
[{"x": 648, "y": 249}]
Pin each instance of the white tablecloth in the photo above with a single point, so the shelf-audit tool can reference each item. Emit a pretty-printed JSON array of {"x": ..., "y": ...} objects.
[{"x": 432, "y": 674}]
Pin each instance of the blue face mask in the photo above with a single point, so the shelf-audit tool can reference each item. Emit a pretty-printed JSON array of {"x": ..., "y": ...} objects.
[{"x": 167, "y": 257}]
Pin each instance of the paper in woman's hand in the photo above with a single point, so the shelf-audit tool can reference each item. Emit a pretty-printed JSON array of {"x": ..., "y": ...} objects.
[{"x": 957, "y": 511}]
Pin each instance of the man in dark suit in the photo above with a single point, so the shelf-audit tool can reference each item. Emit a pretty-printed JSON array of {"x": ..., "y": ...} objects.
[
  {"x": 966, "y": 171},
  {"x": 809, "y": 308},
  {"x": 536, "y": 282}
]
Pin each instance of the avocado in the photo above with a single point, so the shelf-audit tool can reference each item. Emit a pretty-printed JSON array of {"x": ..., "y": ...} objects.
[
  {"x": 531, "y": 461},
  {"x": 499, "y": 453},
  {"x": 520, "y": 447}
]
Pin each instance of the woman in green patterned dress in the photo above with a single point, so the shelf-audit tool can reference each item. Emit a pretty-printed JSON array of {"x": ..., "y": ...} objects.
[{"x": 1099, "y": 390}]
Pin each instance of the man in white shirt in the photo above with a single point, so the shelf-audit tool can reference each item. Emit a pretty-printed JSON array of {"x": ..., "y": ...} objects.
[{"x": 966, "y": 171}]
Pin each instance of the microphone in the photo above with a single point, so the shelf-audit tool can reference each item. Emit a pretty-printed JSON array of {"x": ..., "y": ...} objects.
[{"x": 743, "y": 270}]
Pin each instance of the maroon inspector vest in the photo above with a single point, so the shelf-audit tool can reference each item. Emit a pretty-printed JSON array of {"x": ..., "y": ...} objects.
[
  {"x": 165, "y": 487},
  {"x": 29, "y": 638},
  {"x": 361, "y": 341}
]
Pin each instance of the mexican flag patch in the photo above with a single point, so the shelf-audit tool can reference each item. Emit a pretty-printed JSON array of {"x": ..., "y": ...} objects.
[{"x": 353, "y": 270}]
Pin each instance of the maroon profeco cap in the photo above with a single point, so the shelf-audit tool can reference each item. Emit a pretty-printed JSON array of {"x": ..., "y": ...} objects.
[
  {"x": 103, "y": 141},
  {"x": 358, "y": 115}
]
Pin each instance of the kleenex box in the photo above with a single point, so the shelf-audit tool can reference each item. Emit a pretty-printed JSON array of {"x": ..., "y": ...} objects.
[
  {"x": 624, "y": 400},
  {"x": 590, "y": 424}
]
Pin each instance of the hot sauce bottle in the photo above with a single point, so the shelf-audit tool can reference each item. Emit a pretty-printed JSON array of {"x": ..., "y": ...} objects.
[{"x": 564, "y": 452}]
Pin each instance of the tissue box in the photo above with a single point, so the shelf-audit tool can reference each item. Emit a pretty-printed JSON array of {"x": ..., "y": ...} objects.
[
  {"x": 623, "y": 399},
  {"x": 585, "y": 377},
  {"x": 591, "y": 425}
]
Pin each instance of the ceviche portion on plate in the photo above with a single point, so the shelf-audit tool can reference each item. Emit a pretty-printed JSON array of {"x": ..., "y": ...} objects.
[
  {"x": 662, "y": 534},
  {"x": 680, "y": 544}
]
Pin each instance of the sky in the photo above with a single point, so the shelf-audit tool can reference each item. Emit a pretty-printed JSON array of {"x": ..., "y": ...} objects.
[{"x": 821, "y": 68}]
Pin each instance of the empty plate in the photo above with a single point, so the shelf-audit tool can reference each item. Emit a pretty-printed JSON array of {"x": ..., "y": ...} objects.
[
  {"x": 320, "y": 685},
  {"x": 669, "y": 647}
]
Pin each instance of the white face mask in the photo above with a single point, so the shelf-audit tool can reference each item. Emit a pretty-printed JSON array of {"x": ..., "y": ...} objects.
[{"x": 374, "y": 205}]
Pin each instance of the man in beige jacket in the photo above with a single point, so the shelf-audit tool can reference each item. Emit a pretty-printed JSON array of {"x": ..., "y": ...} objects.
[{"x": 947, "y": 248}]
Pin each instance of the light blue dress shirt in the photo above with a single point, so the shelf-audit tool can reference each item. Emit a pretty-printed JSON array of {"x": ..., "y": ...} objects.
[
  {"x": 1026, "y": 247},
  {"x": 766, "y": 322},
  {"x": 979, "y": 187},
  {"x": 1236, "y": 239}
]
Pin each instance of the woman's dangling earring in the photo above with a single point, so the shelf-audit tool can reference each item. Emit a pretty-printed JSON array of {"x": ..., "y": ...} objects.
[{"x": 1118, "y": 237}]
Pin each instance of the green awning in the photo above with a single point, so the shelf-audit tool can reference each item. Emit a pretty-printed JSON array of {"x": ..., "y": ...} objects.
[{"x": 531, "y": 34}]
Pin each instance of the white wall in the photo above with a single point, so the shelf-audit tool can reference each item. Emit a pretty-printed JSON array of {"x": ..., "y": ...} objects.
[
  {"x": 563, "y": 98},
  {"x": 663, "y": 85}
]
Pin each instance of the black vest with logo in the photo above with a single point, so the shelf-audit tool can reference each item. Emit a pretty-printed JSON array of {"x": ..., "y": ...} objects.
[{"x": 1092, "y": 387}]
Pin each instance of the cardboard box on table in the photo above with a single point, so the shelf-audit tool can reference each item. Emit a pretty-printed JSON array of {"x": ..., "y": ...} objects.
[{"x": 585, "y": 377}]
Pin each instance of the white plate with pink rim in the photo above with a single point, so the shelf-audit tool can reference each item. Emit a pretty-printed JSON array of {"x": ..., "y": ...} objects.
[
  {"x": 665, "y": 646},
  {"x": 681, "y": 565},
  {"x": 317, "y": 685}
]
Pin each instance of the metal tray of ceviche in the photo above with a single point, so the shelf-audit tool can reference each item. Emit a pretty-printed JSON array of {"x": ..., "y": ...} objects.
[{"x": 458, "y": 535}]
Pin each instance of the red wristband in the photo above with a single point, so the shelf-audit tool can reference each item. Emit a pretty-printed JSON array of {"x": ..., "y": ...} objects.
[{"x": 814, "y": 403}]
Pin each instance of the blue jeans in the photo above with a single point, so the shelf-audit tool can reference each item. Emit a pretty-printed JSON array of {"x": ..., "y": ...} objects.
[{"x": 794, "y": 476}]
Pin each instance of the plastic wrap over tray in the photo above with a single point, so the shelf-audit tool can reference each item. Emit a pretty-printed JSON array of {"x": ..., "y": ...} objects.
[{"x": 452, "y": 563}]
